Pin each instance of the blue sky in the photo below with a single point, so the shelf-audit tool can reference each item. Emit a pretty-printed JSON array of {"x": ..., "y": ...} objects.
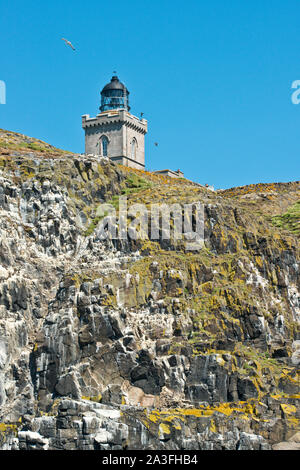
[{"x": 212, "y": 77}]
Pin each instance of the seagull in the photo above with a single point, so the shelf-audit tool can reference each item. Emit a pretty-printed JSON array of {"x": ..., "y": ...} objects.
[{"x": 68, "y": 43}]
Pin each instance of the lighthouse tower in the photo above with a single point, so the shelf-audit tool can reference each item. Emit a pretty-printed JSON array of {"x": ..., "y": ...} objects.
[{"x": 115, "y": 132}]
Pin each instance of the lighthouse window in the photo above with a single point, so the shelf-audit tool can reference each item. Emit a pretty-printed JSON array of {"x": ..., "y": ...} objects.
[
  {"x": 104, "y": 146},
  {"x": 133, "y": 149}
]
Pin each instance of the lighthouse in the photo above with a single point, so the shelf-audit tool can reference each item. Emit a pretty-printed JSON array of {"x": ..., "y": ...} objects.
[{"x": 115, "y": 132}]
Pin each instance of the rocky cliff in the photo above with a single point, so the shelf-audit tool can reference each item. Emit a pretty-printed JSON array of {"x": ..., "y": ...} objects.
[{"x": 140, "y": 344}]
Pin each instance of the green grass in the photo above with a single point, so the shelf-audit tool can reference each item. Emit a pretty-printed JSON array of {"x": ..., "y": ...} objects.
[
  {"x": 14, "y": 141},
  {"x": 290, "y": 220},
  {"x": 135, "y": 183}
]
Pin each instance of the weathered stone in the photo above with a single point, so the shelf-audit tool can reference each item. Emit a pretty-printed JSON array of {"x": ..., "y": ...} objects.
[{"x": 135, "y": 344}]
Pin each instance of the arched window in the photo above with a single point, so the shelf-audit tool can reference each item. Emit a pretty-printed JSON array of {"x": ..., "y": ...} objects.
[
  {"x": 133, "y": 149},
  {"x": 103, "y": 146}
]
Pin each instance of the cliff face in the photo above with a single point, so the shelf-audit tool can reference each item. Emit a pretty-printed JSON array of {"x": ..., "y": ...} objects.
[{"x": 137, "y": 344}]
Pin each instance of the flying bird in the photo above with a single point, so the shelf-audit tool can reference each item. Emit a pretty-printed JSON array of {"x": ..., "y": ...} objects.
[{"x": 68, "y": 43}]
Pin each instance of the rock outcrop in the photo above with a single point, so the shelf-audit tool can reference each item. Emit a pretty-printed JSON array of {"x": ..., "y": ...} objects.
[{"x": 140, "y": 344}]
